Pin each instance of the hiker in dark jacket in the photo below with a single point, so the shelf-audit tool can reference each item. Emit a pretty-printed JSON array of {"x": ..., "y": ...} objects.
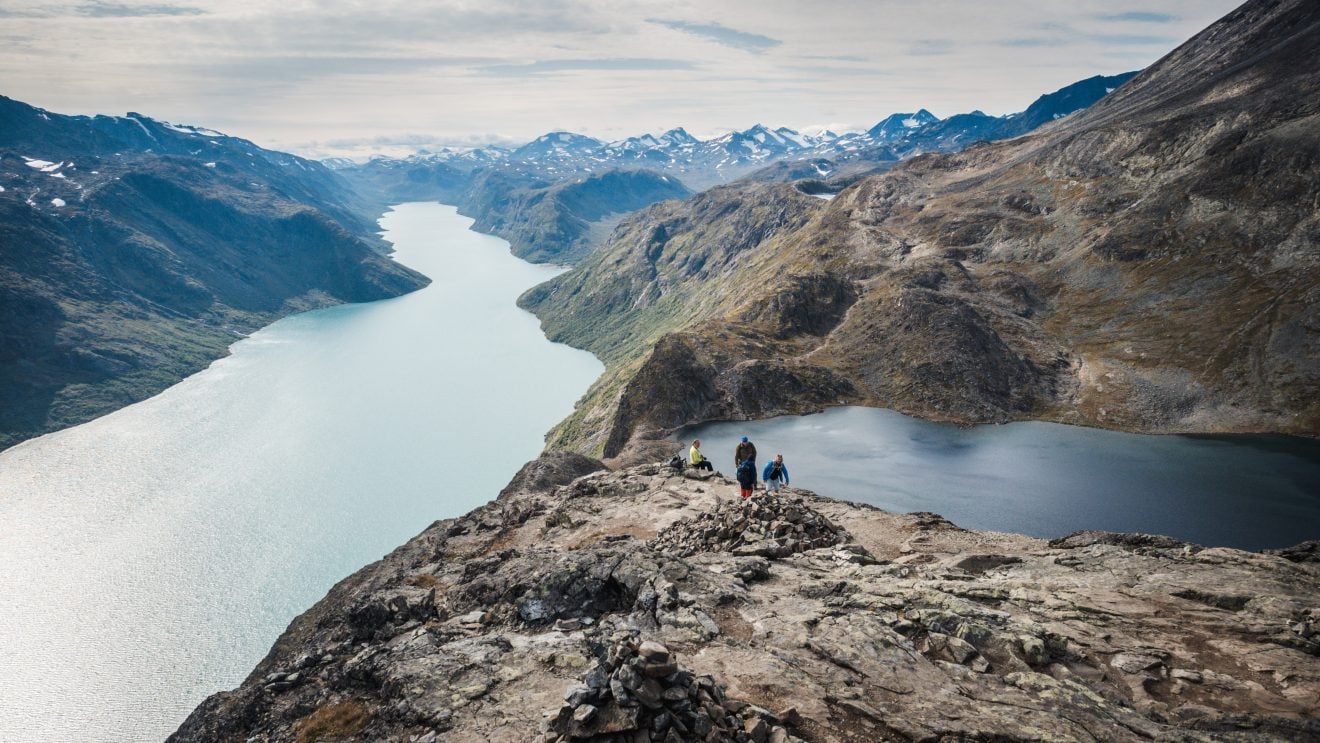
[
  {"x": 745, "y": 450},
  {"x": 747, "y": 477},
  {"x": 776, "y": 474}
]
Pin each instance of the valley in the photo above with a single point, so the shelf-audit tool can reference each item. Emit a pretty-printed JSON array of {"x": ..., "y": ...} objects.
[{"x": 1049, "y": 383}]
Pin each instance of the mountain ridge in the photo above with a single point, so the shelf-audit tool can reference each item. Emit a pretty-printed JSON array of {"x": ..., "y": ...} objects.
[
  {"x": 1009, "y": 280},
  {"x": 727, "y": 157},
  {"x": 133, "y": 253}
]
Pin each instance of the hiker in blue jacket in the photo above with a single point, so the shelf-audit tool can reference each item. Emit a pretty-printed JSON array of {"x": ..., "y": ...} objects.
[
  {"x": 746, "y": 475},
  {"x": 776, "y": 474}
]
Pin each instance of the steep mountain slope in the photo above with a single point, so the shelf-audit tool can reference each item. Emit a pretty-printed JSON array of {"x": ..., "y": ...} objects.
[
  {"x": 1061, "y": 103},
  {"x": 132, "y": 253},
  {"x": 556, "y": 221},
  {"x": 1148, "y": 264}
]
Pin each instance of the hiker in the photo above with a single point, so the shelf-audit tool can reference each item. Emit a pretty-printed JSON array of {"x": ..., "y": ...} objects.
[
  {"x": 776, "y": 474},
  {"x": 745, "y": 450},
  {"x": 697, "y": 459},
  {"x": 747, "y": 477}
]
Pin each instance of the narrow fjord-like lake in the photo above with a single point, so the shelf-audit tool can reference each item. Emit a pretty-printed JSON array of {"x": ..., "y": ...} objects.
[
  {"x": 151, "y": 557},
  {"x": 1046, "y": 479}
]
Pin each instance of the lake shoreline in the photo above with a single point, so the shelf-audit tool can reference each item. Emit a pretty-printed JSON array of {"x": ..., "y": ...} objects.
[{"x": 316, "y": 445}]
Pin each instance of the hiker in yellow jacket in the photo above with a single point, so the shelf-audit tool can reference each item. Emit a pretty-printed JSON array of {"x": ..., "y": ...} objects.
[{"x": 697, "y": 459}]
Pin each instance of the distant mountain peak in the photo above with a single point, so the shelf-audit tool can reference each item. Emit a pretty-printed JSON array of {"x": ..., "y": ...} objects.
[
  {"x": 678, "y": 136},
  {"x": 899, "y": 124},
  {"x": 559, "y": 154}
]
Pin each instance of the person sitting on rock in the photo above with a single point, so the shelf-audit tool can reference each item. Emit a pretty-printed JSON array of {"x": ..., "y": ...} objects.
[
  {"x": 746, "y": 474},
  {"x": 776, "y": 474},
  {"x": 697, "y": 459},
  {"x": 745, "y": 450}
]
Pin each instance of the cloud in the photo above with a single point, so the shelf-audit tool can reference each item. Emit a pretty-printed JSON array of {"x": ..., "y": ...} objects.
[
  {"x": 1035, "y": 42},
  {"x": 551, "y": 66},
  {"x": 399, "y": 144},
  {"x": 1139, "y": 16},
  {"x": 414, "y": 139},
  {"x": 1056, "y": 35},
  {"x": 124, "y": 10},
  {"x": 931, "y": 48},
  {"x": 101, "y": 9},
  {"x": 325, "y": 70},
  {"x": 731, "y": 37},
  {"x": 831, "y": 71},
  {"x": 835, "y": 57},
  {"x": 301, "y": 68},
  {"x": 1135, "y": 40}
]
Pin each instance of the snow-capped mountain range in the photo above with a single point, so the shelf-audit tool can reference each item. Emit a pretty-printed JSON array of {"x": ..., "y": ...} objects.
[{"x": 700, "y": 162}]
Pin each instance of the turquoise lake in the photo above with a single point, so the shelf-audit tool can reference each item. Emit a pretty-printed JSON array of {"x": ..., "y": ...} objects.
[{"x": 151, "y": 557}]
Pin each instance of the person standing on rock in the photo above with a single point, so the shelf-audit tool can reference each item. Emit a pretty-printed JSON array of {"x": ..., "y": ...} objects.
[
  {"x": 697, "y": 459},
  {"x": 775, "y": 475},
  {"x": 745, "y": 450},
  {"x": 746, "y": 475}
]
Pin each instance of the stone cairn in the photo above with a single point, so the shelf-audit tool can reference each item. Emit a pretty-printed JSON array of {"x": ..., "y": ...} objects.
[
  {"x": 640, "y": 694},
  {"x": 766, "y": 525}
]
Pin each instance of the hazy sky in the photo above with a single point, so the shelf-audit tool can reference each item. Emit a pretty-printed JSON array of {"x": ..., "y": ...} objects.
[{"x": 352, "y": 76}]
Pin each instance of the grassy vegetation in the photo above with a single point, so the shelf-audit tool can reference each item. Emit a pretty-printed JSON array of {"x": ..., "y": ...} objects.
[{"x": 338, "y": 720}]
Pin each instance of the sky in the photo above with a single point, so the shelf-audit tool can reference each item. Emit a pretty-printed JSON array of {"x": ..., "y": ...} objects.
[{"x": 353, "y": 77}]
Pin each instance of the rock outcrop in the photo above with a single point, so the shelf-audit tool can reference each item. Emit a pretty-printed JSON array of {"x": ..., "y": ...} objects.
[{"x": 649, "y": 604}]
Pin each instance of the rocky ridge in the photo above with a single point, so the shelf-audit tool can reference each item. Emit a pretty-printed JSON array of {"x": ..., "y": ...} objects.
[{"x": 647, "y": 604}]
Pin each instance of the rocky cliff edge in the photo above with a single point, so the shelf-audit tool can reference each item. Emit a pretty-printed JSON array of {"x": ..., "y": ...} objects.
[{"x": 646, "y": 605}]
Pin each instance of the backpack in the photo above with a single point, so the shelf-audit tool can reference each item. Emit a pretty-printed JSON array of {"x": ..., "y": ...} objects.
[
  {"x": 746, "y": 471},
  {"x": 676, "y": 462}
]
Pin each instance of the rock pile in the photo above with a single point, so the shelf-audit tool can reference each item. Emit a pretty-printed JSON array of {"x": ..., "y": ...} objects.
[
  {"x": 766, "y": 525},
  {"x": 639, "y": 693}
]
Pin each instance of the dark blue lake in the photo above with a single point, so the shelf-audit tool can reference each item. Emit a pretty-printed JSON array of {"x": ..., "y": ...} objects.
[{"x": 1046, "y": 479}]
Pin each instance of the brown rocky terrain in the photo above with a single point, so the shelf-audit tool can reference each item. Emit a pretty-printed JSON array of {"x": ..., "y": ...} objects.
[
  {"x": 647, "y": 604},
  {"x": 1148, "y": 264}
]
